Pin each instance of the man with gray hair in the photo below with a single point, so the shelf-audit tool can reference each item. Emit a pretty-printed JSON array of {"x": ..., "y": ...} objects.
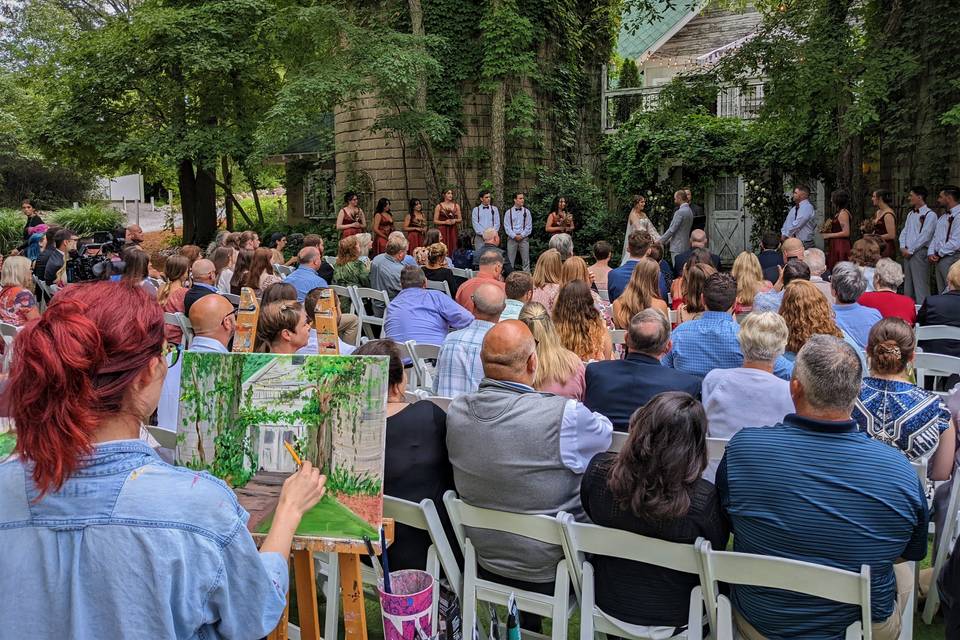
[
  {"x": 459, "y": 369},
  {"x": 515, "y": 449},
  {"x": 385, "y": 268},
  {"x": 887, "y": 278},
  {"x": 848, "y": 284},
  {"x": 491, "y": 242},
  {"x": 563, "y": 243},
  {"x": 817, "y": 262},
  {"x": 617, "y": 388},
  {"x": 423, "y": 315},
  {"x": 816, "y": 489}
]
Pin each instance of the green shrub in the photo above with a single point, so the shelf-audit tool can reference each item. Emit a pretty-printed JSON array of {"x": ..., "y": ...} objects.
[
  {"x": 89, "y": 219},
  {"x": 11, "y": 229}
]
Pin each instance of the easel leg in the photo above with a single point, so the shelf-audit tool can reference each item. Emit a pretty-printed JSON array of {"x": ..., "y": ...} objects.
[
  {"x": 351, "y": 589},
  {"x": 306, "y": 579}
]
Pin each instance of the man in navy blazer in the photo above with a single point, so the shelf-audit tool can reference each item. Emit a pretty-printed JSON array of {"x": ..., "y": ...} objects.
[
  {"x": 617, "y": 388},
  {"x": 638, "y": 244}
]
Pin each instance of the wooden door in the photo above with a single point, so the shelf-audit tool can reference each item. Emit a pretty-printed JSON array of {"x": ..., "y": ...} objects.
[{"x": 725, "y": 218}]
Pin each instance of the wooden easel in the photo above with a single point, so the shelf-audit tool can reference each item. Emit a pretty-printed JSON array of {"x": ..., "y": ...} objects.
[{"x": 259, "y": 498}]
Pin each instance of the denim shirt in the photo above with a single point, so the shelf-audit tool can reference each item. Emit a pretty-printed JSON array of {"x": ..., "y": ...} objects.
[{"x": 131, "y": 547}]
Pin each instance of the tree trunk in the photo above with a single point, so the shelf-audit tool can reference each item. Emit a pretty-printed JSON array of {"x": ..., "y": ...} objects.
[
  {"x": 188, "y": 197},
  {"x": 206, "y": 219},
  {"x": 227, "y": 191},
  {"x": 498, "y": 155},
  {"x": 252, "y": 181}
]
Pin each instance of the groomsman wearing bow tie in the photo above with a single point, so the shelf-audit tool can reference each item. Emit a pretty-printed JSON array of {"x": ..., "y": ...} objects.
[
  {"x": 485, "y": 216},
  {"x": 915, "y": 239},
  {"x": 518, "y": 225},
  {"x": 945, "y": 247}
]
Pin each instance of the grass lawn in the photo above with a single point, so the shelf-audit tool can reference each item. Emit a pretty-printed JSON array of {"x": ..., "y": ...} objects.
[{"x": 329, "y": 518}]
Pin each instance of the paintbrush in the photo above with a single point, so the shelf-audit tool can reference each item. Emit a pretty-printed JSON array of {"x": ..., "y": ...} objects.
[
  {"x": 293, "y": 454},
  {"x": 373, "y": 558},
  {"x": 386, "y": 563}
]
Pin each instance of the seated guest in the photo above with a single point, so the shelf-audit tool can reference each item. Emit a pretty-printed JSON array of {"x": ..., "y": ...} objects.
[
  {"x": 698, "y": 240},
  {"x": 173, "y": 292},
  {"x": 694, "y": 279},
  {"x": 638, "y": 243},
  {"x": 386, "y": 267},
  {"x": 807, "y": 489},
  {"x": 770, "y": 257},
  {"x": 655, "y": 253},
  {"x": 818, "y": 265},
  {"x": 189, "y": 251},
  {"x": 136, "y": 268},
  {"x": 416, "y": 464},
  {"x": 282, "y": 327},
  {"x": 580, "y": 326},
  {"x": 559, "y": 370},
  {"x": 770, "y": 300},
  {"x": 519, "y": 289},
  {"x": 18, "y": 305},
  {"x": 710, "y": 342},
  {"x": 40, "y": 262},
  {"x": 423, "y": 315},
  {"x": 617, "y": 388},
  {"x": 276, "y": 244},
  {"x": 224, "y": 259},
  {"x": 653, "y": 487},
  {"x": 806, "y": 313},
  {"x": 563, "y": 243},
  {"x": 203, "y": 276},
  {"x": 892, "y": 409},
  {"x": 304, "y": 278},
  {"x": 261, "y": 273},
  {"x": 121, "y": 523},
  {"x": 848, "y": 284},
  {"x": 575, "y": 268},
  {"x": 64, "y": 241},
  {"x": 491, "y": 272},
  {"x": 325, "y": 270},
  {"x": 601, "y": 264},
  {"x": 641, "y": 293},
  {"x": 310, "y": 308},
  {"x": 887, "y": 277},
  {"x": 865, "y": 254},
  {"x": 214, "y": 321},
  {"x": 749, "y": 276},
  {"x": 459, "y": 369},
  {"x": 943, "y": 309},
  {"x": 750, "y": 395},
  {"x": 240, "y": 271},
  {"x": 278, "y": 291},
  {"x": 505, "y": 436},
  {"x": 491, "y": 242},
  {"x": 697, "y": 256},
  {"x": 463, "y": 255},
  {"x": 436, "y": 268},
  {"x": 408, "y": 259},
  {"x": 547, "y": 274}
]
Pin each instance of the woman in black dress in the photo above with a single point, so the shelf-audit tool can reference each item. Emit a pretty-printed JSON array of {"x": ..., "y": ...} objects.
[
  {"x": 416, "y": 464},
  {"x": 653, "y": 487}
]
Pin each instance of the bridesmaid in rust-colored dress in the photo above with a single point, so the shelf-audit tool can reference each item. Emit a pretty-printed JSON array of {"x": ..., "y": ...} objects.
[
  {"x": 415, "y": 224},
  {"x": 350, "y": 220},
  {"x": 446, "y": 216},
  {"x": 885, "y": 223},
  {"x": 382, "y": 225},
  {"x": 838, "y": 236}
]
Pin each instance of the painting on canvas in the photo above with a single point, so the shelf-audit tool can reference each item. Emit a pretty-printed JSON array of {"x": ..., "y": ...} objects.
[{"x": 237, "y": 409}]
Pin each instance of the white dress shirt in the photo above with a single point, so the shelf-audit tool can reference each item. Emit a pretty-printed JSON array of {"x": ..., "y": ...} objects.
[
  {"x": 518, "y": 222},
  {"x": 485, "y": 217},
  {"x": 942, "y": 245},
  {"x": 800, "y": 222},
  {"x": 918, "y": 230}
]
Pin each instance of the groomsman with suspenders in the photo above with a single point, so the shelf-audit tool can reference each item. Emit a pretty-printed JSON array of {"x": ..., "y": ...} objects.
[
  {"x": 518, "y": 224},
  {"x": 485, "y": 216},
  {"x": 945, "y": 248},
  {"x": 915, "y": 240}
]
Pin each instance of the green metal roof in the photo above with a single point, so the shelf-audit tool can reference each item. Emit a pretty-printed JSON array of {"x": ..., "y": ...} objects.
[{"x": 637, "y": 37}]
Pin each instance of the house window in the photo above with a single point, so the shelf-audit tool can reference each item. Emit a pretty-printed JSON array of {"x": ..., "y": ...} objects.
[{"x": 725, "y": 195}]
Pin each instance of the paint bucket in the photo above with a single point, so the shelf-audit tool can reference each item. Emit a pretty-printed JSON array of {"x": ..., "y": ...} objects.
[{"x": 411, "y": 601}]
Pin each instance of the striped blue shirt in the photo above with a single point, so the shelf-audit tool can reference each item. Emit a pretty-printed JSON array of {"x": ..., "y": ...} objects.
[{"x": 826, "y": 493}]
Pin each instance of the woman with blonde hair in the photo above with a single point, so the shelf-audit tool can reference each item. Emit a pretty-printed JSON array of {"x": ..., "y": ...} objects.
[
  {"x": 364, "y": 244},
  {"x": 547, "y": 275},
  {"x": 282, "y": 328},
  {"x": 436, "y": 268},
  {"x": 806, "y": 312},
  {"x": 694, "y": 279},
  {"x": 172, "y": 292},
  {"x": 749, "y": 276},
  {"x": 17, "y": 303},
  {"x": 642, "y": 292},
  {"x": 575, "y": 268},
  {"x": 559, "y": 370},
  {"x": 579, "y": 324}
]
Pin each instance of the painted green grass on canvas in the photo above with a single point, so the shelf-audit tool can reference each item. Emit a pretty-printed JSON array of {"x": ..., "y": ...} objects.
[
  {"x": 328, "y": 519},
  {"x": 8, "y": 441}
]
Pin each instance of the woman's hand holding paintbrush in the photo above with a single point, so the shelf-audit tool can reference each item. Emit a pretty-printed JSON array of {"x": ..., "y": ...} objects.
[{"x": 300, "y": 492}]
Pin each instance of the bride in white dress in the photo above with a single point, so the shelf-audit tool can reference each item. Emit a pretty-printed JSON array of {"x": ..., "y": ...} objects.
[{"x": 638, "y": 221}]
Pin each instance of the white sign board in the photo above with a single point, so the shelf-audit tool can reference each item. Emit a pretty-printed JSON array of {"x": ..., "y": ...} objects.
[{"x": 127, "y": 188}]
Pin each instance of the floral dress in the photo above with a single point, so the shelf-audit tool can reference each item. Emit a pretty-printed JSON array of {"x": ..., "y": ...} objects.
[{"x": 15, "y": 304}]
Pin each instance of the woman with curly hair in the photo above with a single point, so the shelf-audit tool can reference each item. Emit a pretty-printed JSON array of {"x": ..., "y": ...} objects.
[
  {"x": 749, "y": 276},
  {"x": 653, "y": 487},
  {"x": 642, "y": 292},
  {"x": 547, "y": 275},
  {"x": 806, "y": 312},
  {"x": 694, "y": 279},
  {"x": 579, "y": 324}
]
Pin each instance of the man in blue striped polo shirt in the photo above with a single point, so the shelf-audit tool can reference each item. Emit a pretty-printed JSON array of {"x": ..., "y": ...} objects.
[{"x": 814, "y": 488}]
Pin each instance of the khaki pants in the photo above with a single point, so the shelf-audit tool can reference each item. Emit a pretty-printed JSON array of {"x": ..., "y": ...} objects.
[
  {"x": 348, "y": 327},
  {"x": 889, "y": 629}
]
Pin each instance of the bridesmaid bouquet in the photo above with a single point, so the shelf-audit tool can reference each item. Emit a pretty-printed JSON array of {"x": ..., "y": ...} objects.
[{"x": 827, "y": 226}]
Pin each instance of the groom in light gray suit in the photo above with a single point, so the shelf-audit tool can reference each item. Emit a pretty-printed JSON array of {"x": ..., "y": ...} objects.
[{"x": 678, "y": 234}]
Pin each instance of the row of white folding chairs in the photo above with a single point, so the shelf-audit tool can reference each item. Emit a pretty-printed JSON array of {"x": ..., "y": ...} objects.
[
  {"x": 358, "y": 296},
  {"x": 182, "y": 322},
  {"x": 578, "y": 539},
  {"x": 422, "y": 370}
]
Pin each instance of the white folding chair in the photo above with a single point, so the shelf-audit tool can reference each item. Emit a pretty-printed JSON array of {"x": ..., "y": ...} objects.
[
  {"x": 937, "y": 332},
  {"x": 234, "y": 299},
  {"x": 367, "y": 320},
  {"x": 8, "y": 332},
  {"x": 934, "y": 365},
  {"x": 716, "y": 447},
  {"x": 475, "y": 589},
  {"x": 618, "y": 336},
  {"x": 604, "y": 295},
  {"x": 330, "y": 260},
  {"x": 440, "y": 285},
  {"x": 947, "y": 539},
  {"x": 618, "y": 440},
  {"x": 344, "y": 292},
  {"x": 183, "y": 322},
  {"x": 165, "y": 437},
  {"x": 673, "y": 316},
  {"x": 46, "y": 289},
  {"x": 780, "y": 573},
  {"x": 582, "y": 539},
  {"x": 419, "y": 354},
  {"x": 282, "y": 270}
]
